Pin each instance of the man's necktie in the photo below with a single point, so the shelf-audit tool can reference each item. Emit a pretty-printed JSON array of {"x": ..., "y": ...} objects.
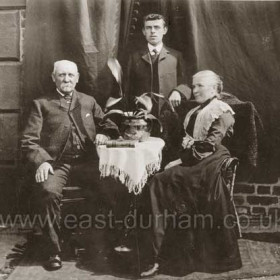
[
  {"x": 154, "y": 55},
  {"x": 68, "y": 98}
]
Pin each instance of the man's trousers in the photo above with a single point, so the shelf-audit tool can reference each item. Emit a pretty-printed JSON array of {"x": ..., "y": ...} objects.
[{"x": 46, "y": 198}]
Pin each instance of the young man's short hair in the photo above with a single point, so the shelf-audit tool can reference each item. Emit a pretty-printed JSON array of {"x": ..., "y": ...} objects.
[{"x": 155, "y": 17}]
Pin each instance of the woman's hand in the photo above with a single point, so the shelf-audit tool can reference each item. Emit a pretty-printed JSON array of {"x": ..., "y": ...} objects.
[
  {"x": 187, "y": 142},
  {"x": 173, "y": 163}
]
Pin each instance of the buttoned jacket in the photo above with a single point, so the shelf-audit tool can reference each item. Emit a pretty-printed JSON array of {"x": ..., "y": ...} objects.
[
  {"x": 49, "y": 125},
  {"x": 171, "y": 73}
]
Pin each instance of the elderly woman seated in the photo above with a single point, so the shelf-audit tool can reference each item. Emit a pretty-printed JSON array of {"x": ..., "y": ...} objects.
[{"x": 192, "y": 186}]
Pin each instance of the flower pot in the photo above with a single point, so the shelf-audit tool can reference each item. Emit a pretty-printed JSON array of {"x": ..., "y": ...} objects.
[{"x": 135, "y": 129}]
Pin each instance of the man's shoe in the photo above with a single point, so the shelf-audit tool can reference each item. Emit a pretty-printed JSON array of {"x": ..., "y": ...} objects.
[
  {"x": 53, "y": 263},
  {"x": 151, "y": 271}
]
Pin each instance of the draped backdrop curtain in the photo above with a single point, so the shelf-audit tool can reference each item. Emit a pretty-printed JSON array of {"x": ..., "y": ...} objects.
[
  {"x": 240, "y": 40},
  {"x": 84, "y": 31}
]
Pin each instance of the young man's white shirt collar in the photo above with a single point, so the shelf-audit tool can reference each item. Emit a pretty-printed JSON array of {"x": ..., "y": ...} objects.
[{"x": 158, "y": 48}]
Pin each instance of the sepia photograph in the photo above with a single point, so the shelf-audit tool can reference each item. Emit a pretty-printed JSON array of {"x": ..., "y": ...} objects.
[{"x": 139, "y": 139}]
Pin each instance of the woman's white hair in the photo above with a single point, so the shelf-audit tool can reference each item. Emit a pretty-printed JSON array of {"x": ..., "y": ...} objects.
[{"x": 212, "y": 76}]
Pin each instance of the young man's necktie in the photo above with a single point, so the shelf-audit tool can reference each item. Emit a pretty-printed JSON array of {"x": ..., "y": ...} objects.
[{"x": 154, "y": 55}]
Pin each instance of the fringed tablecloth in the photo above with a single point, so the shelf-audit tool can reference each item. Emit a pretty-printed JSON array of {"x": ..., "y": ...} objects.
[{"x": 132, "y": 166}]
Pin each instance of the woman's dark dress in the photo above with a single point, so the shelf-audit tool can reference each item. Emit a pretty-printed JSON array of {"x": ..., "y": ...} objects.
[{"x": 205, "y": 216}]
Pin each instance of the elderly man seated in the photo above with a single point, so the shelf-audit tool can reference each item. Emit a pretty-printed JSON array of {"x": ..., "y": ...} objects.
[
  {"x": 59, "y": 142},
  {"x": 192, "y": 186}
]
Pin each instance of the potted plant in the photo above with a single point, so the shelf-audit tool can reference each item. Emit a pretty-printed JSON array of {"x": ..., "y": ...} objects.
[{"x": 135, "y": 122}]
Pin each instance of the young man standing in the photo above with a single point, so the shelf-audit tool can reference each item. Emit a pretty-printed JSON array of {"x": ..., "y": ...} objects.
[{"x": 157, "y": 68}]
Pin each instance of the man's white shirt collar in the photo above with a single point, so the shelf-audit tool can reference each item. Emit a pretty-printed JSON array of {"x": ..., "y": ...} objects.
[{"x": 158, "y": 48}]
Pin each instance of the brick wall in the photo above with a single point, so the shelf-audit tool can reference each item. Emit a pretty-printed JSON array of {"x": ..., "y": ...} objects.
[{"x": 259, "y": 204}]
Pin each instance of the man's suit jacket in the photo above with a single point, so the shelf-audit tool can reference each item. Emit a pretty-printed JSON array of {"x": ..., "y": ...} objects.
[
  {"x": 171, "y": 73},
  {"x": 49, "y": 125}
]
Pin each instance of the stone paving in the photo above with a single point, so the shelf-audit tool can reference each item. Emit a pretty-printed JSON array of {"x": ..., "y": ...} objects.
[{"x": 71, "y": 271}]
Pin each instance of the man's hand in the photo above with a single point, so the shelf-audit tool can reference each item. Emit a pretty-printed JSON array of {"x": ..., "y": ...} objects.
[
  {"x": 43, "y": 171},
  {"x": 101, "y": 139},
  {"x": 175, "y": 98}
]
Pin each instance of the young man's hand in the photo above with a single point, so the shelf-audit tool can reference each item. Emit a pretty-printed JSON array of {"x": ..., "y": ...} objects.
[{"x": 175, "y": 98}]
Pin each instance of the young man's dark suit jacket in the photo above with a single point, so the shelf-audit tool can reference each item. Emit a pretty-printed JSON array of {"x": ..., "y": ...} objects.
[
  {"x": 48, "y": 126},
  {"x": 171, "y": 73}
]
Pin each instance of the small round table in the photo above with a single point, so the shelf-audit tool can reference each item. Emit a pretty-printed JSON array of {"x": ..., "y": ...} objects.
[{"x": 132, "y": 166}]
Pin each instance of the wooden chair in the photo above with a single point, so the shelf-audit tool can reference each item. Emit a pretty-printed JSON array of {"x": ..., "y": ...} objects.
[
  {"x": 78, "y": 201},
  {"x": 229, "y": 168},
  {"x": 74, "y": 202}
]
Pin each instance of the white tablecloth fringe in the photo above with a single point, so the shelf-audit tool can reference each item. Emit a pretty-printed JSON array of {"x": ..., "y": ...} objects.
[{"x": 109, "y": 170}]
